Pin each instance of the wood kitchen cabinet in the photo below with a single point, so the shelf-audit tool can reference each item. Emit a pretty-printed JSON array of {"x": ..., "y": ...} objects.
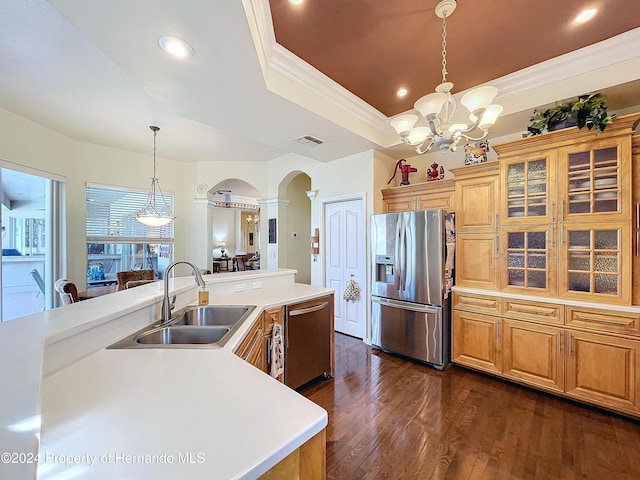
[
  {"x": 603, "y": 369},
  {"x": 569, "y": 195},
  {"x": 635, "y": 157},
  {"x": 477, "y": 242},
  {"x": 528, "y": 259},
  {"x": 532, "y": 353},
  {"x": 548, "y": 265},
  {"x": 476, "y": 341},
  {"x": 307, "y": 462},
  {"x": 595, "y": 262},
  {"x": 251, "y": 348},
  {"x": 419, "y": 196},
  {"x": 476, "y": 198},
  {"x": 529, "y": 188}
]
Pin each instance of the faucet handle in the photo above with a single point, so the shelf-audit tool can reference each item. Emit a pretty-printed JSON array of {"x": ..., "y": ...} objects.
[{"x": 173, "y": 303}]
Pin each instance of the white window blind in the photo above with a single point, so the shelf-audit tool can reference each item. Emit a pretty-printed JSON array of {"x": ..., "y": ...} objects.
[{"x": 110, "y": 217}]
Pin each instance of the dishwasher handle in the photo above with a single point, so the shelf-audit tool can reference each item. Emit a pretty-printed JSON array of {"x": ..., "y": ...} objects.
[{"x": 311, "y": 309}]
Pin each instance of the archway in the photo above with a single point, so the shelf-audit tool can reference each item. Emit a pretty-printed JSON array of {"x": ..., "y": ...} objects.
[{"x": 295, "y": 225}]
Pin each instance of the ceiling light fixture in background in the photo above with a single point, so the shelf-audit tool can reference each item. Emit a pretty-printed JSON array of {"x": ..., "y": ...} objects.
[
  {"x": 152, "y": 214},
  {"x": 586, "y": 15},
  {"x": 439, "y": 108},
  {"x": 401, "y": 92},
  {"x": 176, "y": 47}
]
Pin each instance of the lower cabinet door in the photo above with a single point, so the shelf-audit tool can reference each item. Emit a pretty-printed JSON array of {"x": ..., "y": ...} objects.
[
  {"x": 533, "y": 353},
  {"x": 603, "y": 369},
  {"x": 476, "y": 341}
]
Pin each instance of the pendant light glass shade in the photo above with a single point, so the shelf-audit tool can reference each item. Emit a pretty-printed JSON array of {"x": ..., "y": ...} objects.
[{"x": 156, "y": 212}]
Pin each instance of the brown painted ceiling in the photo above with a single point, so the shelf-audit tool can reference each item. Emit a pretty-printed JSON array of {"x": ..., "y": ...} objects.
[{"x": 373, "y": 47}]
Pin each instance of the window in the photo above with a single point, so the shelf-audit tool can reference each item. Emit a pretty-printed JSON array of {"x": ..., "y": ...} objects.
[{"x": 116, "y": 241}]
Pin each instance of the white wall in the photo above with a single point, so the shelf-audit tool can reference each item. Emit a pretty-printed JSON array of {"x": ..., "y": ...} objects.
[{"x": 52, "y": 155}]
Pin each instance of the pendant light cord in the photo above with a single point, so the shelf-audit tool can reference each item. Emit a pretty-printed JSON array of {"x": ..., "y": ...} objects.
[
  {"x": 155, "y": 133},
  {"x": 444, "y": 48}
]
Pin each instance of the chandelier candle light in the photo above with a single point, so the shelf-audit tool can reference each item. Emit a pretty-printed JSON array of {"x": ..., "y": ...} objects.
[
  {"x": 439, "y": 108},
  {"x": 155, "y": 214}
]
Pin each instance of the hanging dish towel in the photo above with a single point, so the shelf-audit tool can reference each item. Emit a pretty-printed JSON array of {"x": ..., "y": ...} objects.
[
  {"x": 277, "y": 351},
  {"x": 352, "y": 292}
]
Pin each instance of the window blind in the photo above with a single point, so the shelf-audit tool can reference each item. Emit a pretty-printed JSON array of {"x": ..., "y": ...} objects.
[{"x": 111, "y": 217}]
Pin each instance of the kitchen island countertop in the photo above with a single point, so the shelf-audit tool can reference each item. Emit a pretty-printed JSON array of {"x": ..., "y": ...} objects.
[{"x": 169, "y": 413}]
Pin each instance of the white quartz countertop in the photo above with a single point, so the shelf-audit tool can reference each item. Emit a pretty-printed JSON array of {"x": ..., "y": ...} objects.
[{"x": 149, "y": 413}]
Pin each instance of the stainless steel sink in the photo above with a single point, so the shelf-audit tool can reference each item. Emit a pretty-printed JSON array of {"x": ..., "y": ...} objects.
[
  {"x": 213, "y": 314},
  {"x": 194, "y": 326},
  {"x": 183, "y": 335}
]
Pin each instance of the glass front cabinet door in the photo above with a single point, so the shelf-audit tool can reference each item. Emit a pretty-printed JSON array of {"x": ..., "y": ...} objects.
[
  {"x": 529, "y": 190},
  {"x": 529, "y": 260},
  {"x": 595, "y": 262},
  {"x": 595, "y": 181}
]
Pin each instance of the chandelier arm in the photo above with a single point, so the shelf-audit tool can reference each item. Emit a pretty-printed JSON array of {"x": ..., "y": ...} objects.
[
  {"x": 423, "y": 151},
  {"x": 405, "y": 140},
  {"x": 474, "y": 139},
  {"x": 431, "y": 121}
]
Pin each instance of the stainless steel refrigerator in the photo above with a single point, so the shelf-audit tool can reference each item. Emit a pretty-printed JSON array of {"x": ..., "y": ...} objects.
[{"x": 412, "y": 267}]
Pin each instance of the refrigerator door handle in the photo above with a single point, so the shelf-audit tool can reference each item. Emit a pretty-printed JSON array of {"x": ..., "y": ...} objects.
[
  {"x": 403, "y": 257},
  {"x": 396, "y": 256},
  {"x": 416, "y": 307}
]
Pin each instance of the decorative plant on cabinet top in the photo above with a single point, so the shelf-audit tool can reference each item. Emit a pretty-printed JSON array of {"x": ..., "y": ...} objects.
[{"x": 587, "y": 111}]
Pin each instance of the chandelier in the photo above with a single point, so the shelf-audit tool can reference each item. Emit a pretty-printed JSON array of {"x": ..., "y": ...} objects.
[
  {"x": 439, "y": 108},
  {"x": 156, "y": 212},
  {"x": 255, "y": 220}
]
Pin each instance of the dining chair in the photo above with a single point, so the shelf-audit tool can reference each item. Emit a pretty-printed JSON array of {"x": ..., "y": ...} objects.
[
  {"x": 35, "y": 274},
  {"x": 67, "y": 290},
  {"x": 136, "y": 283},
  {"x": 132, "y": 275}
]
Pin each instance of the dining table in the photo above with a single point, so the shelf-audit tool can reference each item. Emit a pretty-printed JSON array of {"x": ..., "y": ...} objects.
[{"x": 93, "y": 292}]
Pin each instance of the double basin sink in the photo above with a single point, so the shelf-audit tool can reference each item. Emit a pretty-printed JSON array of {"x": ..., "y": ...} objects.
[{"x": 194, "y": 326}]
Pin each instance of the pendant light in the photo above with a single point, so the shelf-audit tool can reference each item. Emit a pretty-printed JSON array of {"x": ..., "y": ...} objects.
[{"x": 156, "y": 212}]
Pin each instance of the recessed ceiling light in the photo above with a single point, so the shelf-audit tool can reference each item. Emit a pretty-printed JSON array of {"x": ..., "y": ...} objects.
[
  {"x": 176, "y": 47},
  {"x": 296, "y": 2},
  {"x": 401, "y": 92},
  {"x": 586, "y": 15}
]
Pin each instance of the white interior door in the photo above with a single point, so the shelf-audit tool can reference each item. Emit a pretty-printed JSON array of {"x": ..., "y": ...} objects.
[{"x": 344, "y": 224}]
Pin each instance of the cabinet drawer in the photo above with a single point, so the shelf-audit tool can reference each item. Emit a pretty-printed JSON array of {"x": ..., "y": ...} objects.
[
  {"x": 603, "y": 320},
  {"x": 476, "y": 303},
  {"x": 537, "y": 312}
]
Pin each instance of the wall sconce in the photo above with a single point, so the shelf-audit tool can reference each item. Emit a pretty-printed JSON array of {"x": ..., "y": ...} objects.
[{"x": 312, "y": 194}]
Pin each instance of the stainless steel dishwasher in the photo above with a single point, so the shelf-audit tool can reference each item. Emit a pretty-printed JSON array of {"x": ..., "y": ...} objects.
[{"x": 308, "y": 334}]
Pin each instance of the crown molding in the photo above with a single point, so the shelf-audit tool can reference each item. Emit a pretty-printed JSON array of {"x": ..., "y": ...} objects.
[{"x": 287, "y": 75}]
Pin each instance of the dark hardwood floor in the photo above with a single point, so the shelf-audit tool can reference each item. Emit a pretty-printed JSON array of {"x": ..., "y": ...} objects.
[{"x": 394, "y": 419}]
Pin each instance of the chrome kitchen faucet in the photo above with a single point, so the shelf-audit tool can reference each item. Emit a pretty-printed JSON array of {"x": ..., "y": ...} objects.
[{"x": 166, "y": 304}]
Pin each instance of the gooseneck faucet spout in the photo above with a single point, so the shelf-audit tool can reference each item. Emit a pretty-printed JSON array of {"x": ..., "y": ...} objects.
[{"x": 166, "y": 303}]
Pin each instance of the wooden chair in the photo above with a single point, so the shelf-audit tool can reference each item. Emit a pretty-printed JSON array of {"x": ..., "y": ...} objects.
[
  {"x": 67, "y": 290},
  {"x": 216, "y": 267},
  {"x": 136, "y": 283},
  {"x": 133, "y": 275}
]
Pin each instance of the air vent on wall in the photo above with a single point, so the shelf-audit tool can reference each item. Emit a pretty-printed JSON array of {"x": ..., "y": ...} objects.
[{"x": 309, "y": 140}]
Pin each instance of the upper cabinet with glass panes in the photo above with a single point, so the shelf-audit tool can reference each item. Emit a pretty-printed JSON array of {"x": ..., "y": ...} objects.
[
  {"x": 595, "y": 180},
  {"x": 529, "y": 188}
]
